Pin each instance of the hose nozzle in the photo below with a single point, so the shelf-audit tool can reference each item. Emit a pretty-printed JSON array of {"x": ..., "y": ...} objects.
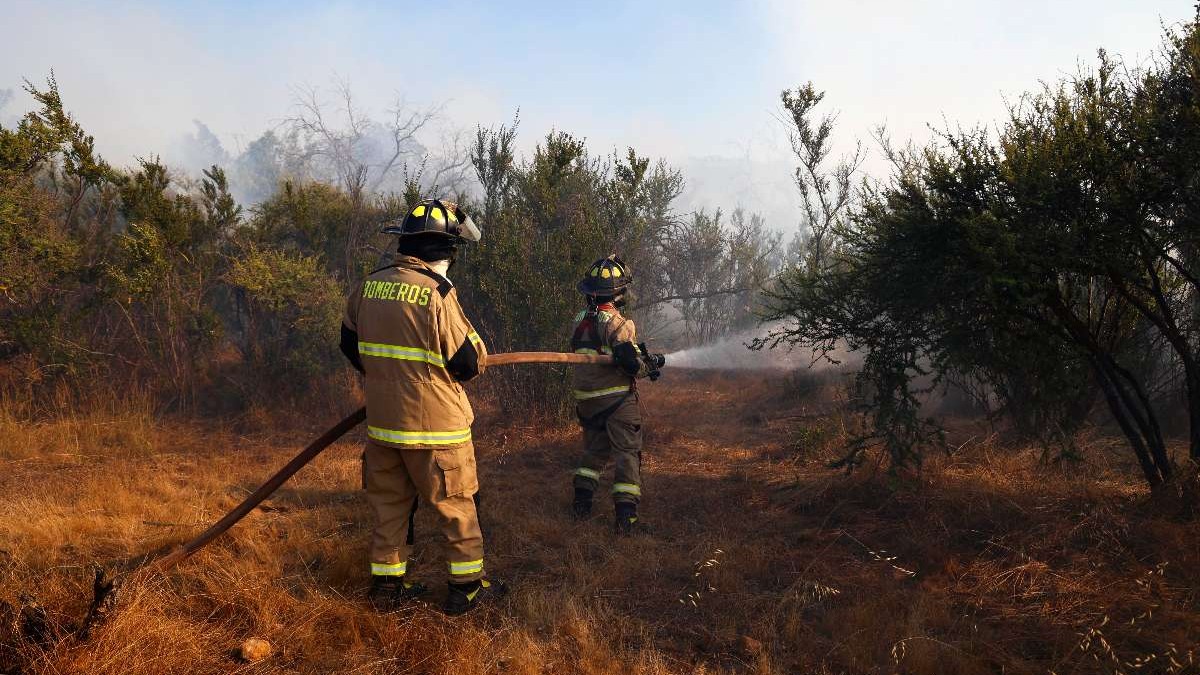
[{"x": 653, "y": 362}]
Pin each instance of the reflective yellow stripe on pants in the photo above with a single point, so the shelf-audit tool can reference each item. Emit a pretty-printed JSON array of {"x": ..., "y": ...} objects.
[
  {"x": 389, "y": 569},
  {"x": 469, "y": 567},
  {"x": 626, "y": 488}
]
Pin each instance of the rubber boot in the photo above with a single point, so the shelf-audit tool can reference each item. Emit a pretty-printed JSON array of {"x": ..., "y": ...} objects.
[
  {"x": 581, "y": 508},
  {"x": 390, "y": 592},
  {"x": 627, "y": 518},
  {"x": 462, "y": 598}
]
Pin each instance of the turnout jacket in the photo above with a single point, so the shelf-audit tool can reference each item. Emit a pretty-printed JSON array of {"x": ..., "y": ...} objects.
[
  {"x": 598, "y": 331},
  {"x": 406, "y": 332}
]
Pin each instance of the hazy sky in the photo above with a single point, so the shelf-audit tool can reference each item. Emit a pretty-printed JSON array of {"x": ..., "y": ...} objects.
[{"x": 696, "y": 81}]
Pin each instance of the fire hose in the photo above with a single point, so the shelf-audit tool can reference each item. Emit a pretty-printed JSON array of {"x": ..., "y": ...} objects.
[
  {"x": 327, "y": 439},
  {"x": 105, "y": 590}
]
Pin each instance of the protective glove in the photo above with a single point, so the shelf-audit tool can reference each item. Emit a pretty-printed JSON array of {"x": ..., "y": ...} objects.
[
  {"x": 626, "y": 355},
  {"x": 653, "y": 362}
]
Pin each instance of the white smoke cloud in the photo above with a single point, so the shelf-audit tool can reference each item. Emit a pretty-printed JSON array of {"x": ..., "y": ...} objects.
[
  {"x": 137, "y": 74},
  {"x": 733, "y": 352}
]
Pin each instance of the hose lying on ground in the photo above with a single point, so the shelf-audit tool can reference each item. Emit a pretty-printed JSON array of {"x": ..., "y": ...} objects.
[
  {"x": 329, "y": 438},
  {"x": 105, "y": 591}
]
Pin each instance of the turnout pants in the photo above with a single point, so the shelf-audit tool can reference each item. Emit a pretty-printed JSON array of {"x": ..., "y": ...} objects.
[
  {"x": 444, "y": 479},
  {"x": 616, "y": 434}
]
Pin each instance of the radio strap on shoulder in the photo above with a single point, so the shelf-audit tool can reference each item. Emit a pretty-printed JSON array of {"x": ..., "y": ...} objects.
[{"x": 587, "y": 334}]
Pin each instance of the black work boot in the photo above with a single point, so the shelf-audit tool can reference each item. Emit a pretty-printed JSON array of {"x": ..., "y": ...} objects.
[
  {"x": 627, "y": 517},
  {"x": 581, "y": 508},
  {"x": 393, "y": 592},
  {"x": 462, "y": 598}
]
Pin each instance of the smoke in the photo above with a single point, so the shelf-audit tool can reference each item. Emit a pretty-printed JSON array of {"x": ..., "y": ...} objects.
[
  {"x": 733, "y": 353},
  {"x": 198, "y": 150},
  {"x": 6, "y": 96}
]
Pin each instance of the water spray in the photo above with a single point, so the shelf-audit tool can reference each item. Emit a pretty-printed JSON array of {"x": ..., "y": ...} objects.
[{"x": 734, "y": 353}]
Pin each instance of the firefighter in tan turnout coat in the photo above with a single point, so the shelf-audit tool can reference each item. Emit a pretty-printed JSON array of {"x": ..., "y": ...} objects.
[
  {"x": 606, "y": 396},
  {"x": 406, "y": 332}
]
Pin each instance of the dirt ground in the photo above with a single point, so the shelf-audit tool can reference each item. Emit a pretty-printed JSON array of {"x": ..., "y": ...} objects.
[{"x": 757, "y": 557}]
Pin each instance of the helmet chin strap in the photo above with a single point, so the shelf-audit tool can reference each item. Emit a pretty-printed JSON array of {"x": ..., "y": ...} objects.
[{"x": 618, "y": 301}]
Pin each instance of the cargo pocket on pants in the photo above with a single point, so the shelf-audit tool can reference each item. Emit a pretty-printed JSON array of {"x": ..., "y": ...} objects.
[
  {"x": 448, "y": 462},
  {"x": 458, "y": 470}
]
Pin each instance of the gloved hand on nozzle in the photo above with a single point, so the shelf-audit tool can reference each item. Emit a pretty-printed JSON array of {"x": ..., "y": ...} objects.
[
  {"x": 626, "y": 356},
  {"x": 653, "y": 362},
  {"x": 631, "y": 360}
]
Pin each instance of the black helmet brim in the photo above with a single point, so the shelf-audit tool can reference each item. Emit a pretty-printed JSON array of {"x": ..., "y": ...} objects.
[
  {"x": 592, "y": 286},
  {"x": 459, "y": 226}
]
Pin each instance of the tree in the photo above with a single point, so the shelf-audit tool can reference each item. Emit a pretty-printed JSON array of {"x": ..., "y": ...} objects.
[
  {"x": 288, "y": 314},
  {"x": 49, "y": 176},
  {"x": 716, "y": 271},
  {"x": 826, "y": 192},
  {"x": 1044, "y": 264},
  {"x": 340, "y": 144},
  {"x": 545, "y": 220},
  {"x": 165, "y": 274}
]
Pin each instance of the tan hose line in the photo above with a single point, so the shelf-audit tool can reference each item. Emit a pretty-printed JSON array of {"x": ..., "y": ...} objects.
[
  {"x": 328, "y": 438},
  {"x": 545, "y": 357}
]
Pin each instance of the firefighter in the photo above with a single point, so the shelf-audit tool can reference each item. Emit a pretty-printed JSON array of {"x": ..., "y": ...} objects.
[
  {"x": 406, "y": 332},
  {"x": 606, "y": 396}
]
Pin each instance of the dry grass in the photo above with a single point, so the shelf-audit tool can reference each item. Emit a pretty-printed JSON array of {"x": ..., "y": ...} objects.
[{"x": 760, "y": 560}]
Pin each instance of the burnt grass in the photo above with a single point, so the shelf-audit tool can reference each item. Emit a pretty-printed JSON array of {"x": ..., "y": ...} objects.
[{"x": 756, "y": 556}]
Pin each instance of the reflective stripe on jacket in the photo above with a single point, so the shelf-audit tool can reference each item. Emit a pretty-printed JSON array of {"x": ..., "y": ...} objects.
[
  {"x": 416, "y": 346},
  {"x": 610, "y": 329}
]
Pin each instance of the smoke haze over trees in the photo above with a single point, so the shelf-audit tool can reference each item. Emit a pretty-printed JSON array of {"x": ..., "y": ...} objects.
[
  {"x": 151, "y": 278},
  {"x": 1048, "y": 267}
]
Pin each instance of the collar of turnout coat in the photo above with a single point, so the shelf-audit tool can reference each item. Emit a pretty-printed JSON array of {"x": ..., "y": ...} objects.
[{"x": 415, "y": 263}]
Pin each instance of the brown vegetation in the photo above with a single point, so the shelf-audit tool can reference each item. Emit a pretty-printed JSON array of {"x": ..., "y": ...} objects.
[{"x": 759, "y": 558}]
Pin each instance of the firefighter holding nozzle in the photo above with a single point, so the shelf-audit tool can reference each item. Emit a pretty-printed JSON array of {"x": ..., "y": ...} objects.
[{"x": 606, "y": 396}]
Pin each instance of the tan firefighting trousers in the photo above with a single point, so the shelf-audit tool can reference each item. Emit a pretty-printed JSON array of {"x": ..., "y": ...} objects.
[
  {"x": 443, "y": 479},
  {"x": 618, "y": 437}
]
